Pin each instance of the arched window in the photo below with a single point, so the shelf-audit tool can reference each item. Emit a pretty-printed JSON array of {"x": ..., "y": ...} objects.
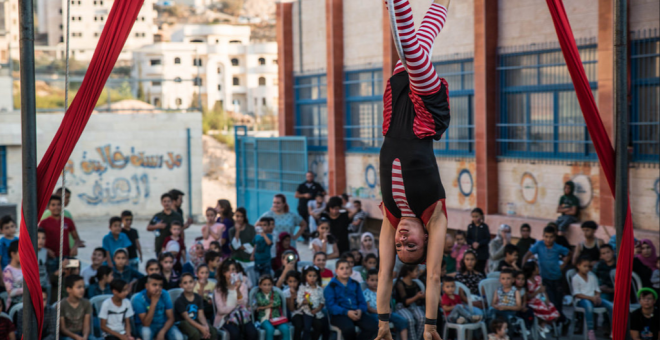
[
  {"x": 262, "y": 61},
  {"x": 234, "y": 62},
  {"x": 262, "y": 81},
  {"x": 178, "y": 102},
  {"x": 177, "y": 60},
  {"x": 157, "y": 102},
  {"x": 235, "y": 81}
]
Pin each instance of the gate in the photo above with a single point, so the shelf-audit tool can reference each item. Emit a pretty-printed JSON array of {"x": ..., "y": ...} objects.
[{"x": 265, "y": 167}]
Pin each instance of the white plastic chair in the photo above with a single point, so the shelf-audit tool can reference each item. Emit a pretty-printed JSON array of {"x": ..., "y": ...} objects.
[
  {"x": 493, "y": 275},
  {"x": 15, "y": 309},
  {"x": 461, "y": 329},
  {"x": 635, "y": 285},
  {"x": 252, "y": 274},
  {"x": 96, "y": 303},
  {"x": 175, "y": 293},
  {"x": 576, "y": 309}
]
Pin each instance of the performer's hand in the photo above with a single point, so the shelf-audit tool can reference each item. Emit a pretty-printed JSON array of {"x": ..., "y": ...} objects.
[
  {"x": 431, "y": 333},
  {"x": 384, "y": 331}
]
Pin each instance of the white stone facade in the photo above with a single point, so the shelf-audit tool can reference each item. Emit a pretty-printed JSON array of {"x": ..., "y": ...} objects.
[
  {"x": 88, "y": 17},
  {"x": 238, "y": 75}
]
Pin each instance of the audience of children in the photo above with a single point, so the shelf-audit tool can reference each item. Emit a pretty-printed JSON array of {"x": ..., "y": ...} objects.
[{"x": 316, "y": 296}]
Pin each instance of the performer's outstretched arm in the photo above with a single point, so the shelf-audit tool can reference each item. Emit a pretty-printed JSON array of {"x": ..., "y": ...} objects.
[
  {"x": 385, "y": 274},
  {"x": 437, "y": 229},
  {"x": 422, "y": 75}
]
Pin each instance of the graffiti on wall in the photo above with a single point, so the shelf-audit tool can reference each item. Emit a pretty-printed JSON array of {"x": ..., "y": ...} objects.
[
  {"x": 529, "y": 187},
  {"x": 371, "y": 187},
  {"x": 118, "y": 177},
  {"x": 583, "y": 190}
]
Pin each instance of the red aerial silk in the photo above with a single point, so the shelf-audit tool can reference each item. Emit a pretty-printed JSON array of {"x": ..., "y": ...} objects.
[
  {"x": 606, "y": 157},
  {"x": 117, "y": 28}
]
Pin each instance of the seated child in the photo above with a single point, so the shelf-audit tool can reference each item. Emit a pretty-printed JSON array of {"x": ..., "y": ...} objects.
[
  {"x": 459, "y": 248},
  {"x": 42, "y": 258},
  {"x": 357, "y": 257},
  {"x": 168, "y": 272},
  {"x": 152, "y": 267},
  {"x": 506, "y": 300},
  {"x": 324, "y": 241},
  {"x": 8, "y": 229},
  {"x": 410, "y": 300},
  {"x": 195, "y": 258},
  {"x": 268, "y": 307},
  {"x": 13, "y": 276},
  {"x": 135, "y": 250},
  {"x": 470, "y": 277},
  {"x": 290, "y": 294},
  {"x": 586, "y": 293},
  {"x": 524, "y": 242},
  {"x": 526, "y": 314},
  {"x": 538, "y": 300},
  {"x": 50, "y": 319},
  {"x": 453, "y": 304},
  {"x": 400, "y": 323},
  {"x": 116, "y": 313},
  {"x": 123, "y": 270},
  {"x": 76, "y": 312},
  {"x": 189, "y": 311},
  {"x": 7, "y": 328},
  {"x": 70, "y": 267},
  {"x": 204, "y": 288},
  {"x": 500, "y": 330},
  {"x": 367, "y": 245},
  {"x": 98, "y": 257},
  {"x": 645, "y": 321},
  {"x": 510, "y": 258},
  {"x": 213, "y": 260},
  {"x": 370, "y": 262},
  {"x": 320, "y": 260},
  {"x": 216, "y": 247},
  {"x": 355, "y": 275},
  {"x": 100, "y": 284},
  {"x": 311, "y": 301},
  {"x": 346, "y": 305},
  {"x": 154, "y": 310}
]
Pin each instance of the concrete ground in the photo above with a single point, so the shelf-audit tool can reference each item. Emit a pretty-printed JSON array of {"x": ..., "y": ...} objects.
[{"x": 92, "y": 232}]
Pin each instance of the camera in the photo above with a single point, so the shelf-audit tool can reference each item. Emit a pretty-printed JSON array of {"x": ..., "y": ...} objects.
[
  {"x": 290, "y": 258},
  {"x": 258, "y": 230}
]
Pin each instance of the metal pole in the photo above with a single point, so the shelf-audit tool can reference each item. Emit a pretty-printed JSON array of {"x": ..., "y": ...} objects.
[
  {"x": 190, "y": 195},
  {"x": 621, "y": 105},
  {"x": 29, "y": 147}
]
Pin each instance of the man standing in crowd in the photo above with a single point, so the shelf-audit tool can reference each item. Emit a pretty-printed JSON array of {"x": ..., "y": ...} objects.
[
  {"x": 161, "y": 222},
  {"x": 177, "y": 201},
  {"x": 307, "y": 191}
]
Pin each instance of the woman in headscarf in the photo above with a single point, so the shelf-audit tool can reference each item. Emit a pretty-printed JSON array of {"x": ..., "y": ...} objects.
[
  {"x": 283, "y": 244},
  {"x": 648, "y": 255},
  {"x": 368, "y": 244},
  {"x": 496, "y": 246}
]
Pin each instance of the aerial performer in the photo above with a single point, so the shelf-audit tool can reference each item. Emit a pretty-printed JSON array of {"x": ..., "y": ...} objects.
[{"x": 415, "y": 113}]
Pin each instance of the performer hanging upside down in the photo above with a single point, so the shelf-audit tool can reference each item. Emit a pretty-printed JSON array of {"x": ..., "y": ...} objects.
[{"x": 415, "y": 113}]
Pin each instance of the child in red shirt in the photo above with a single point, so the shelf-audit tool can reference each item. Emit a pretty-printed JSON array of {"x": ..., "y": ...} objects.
[{"x": 452, "y": 304}]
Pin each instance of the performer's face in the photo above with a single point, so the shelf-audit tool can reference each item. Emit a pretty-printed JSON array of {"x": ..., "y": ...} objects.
[{"x": 410, "y": 240}]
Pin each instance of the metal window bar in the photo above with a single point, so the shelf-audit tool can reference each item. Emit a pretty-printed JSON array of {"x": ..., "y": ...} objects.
[
  {"x": 364, "y": 106},
  {"x": 3, "y": 170},
  {"x": 645, "y": 94},
  {"x": 311, "y": 119},
  {"x": 540, "y": 116}
]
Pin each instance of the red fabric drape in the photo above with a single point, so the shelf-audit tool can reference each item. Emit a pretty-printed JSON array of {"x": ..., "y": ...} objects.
[
  {"x": 606, "y": 157},
  {"x": 117, "y": 28}
]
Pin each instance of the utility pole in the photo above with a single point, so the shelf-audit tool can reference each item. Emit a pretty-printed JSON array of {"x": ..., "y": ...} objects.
[
  {"x": 29, "y": 148},
  {"x": 621, "y": 107}
]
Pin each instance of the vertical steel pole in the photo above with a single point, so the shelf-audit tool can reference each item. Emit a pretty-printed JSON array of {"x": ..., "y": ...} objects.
[
  {"x": 29, "y": 147},
  {"x": 621, "y": 105}
]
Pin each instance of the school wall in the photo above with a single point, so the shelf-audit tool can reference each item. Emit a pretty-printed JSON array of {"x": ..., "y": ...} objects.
[
  {"x": 312, "y": 41},
  {"x": 644, "y": 14},
  {"x": 523, "y": 22},
  {"x": 121, "y": 162}
]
